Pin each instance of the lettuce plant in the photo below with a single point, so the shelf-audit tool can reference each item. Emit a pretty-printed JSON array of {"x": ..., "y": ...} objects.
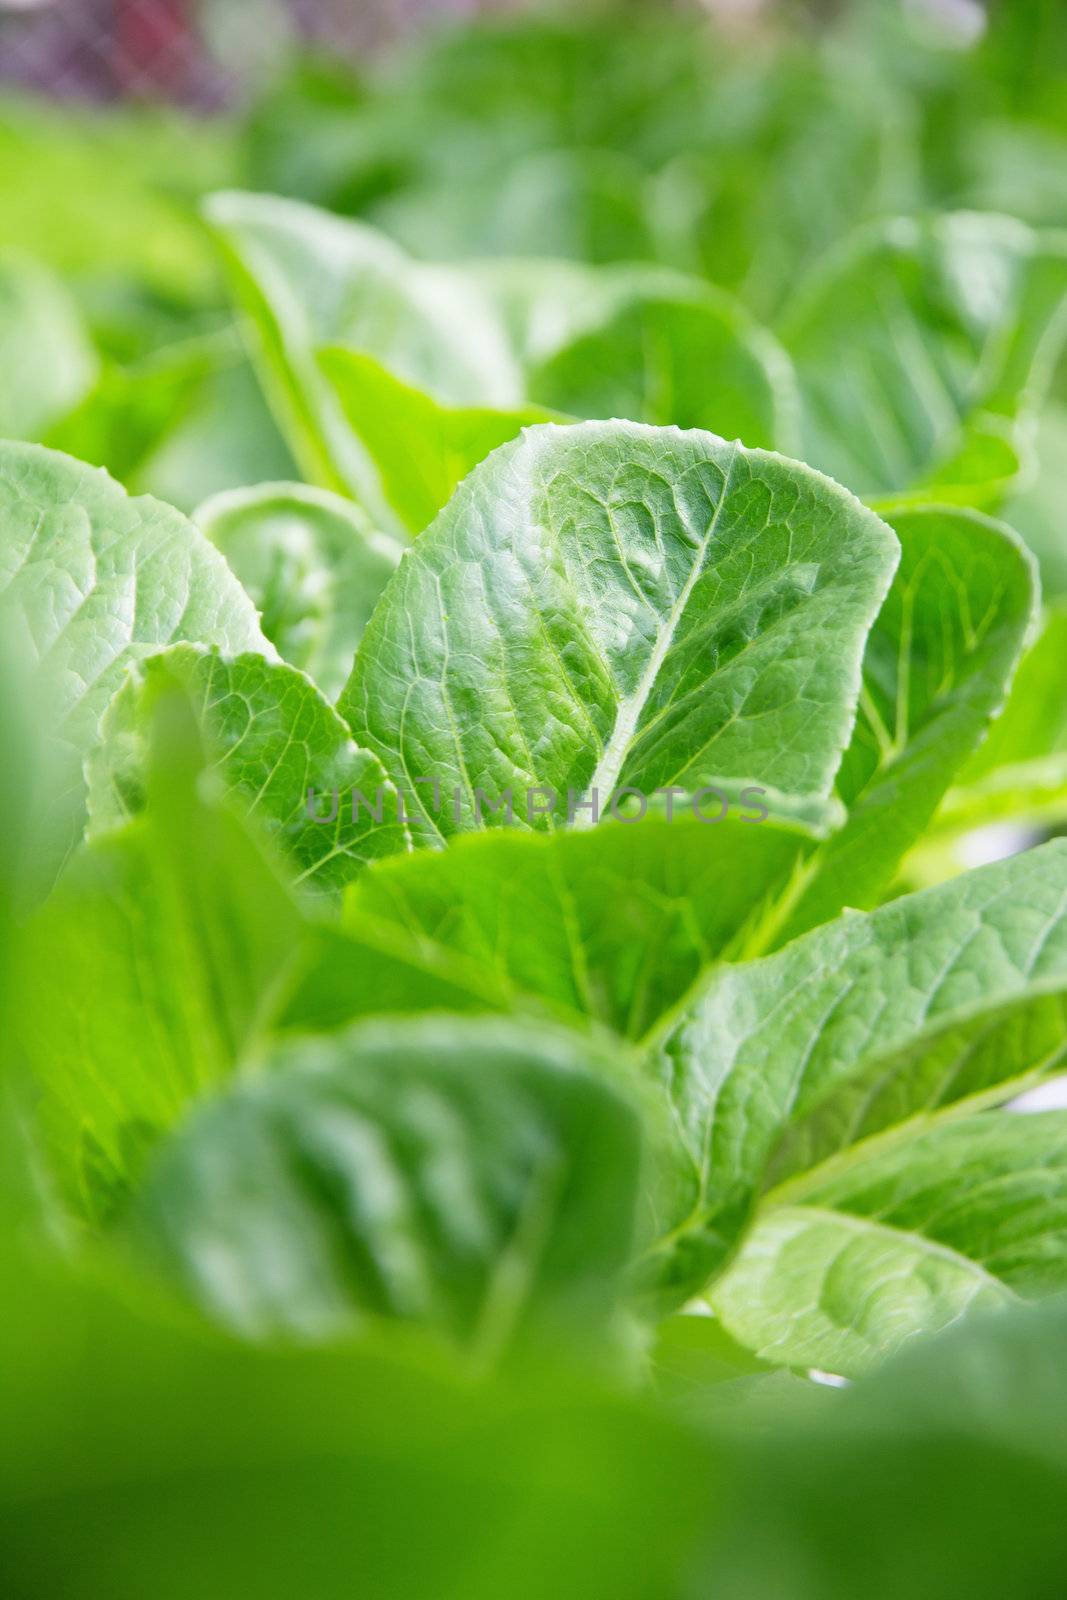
[
  {"x": 601, "y": 610},
  {"x": 496, "y": 993}
]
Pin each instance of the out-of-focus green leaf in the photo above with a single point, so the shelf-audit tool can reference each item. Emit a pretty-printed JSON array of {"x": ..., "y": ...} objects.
[
  {"x": 537, "y": 73},
  {"x": 943, "y": 1475},
  {"x": 938, "y": 663},
  {"x": 990, "y": 457},
  {"x": 569, "y": 205},
  {"x": 191, "y": 936},
  {"x": 911, "y": 336},
  {"x": 611, "y": 606},
  {"x": 18, "y": 784},
  {"x": 330, "y": 281},
  {"x": 467, "y": 1175},
  {"x": 184, "y": 422},
  {"x": 1020, "y": 772},
  {"x": 1017, "y": 168},
  {"x": 132, "y": 407},
  {"x": 797, "y": 147},
  {"x": 225, "y": 439},
  {"x": 693, "y": 1352},
  {"x": 313, "y": 566},
  {"x": 315, "y": 134},
  {"x": 368, "y": 1456},
  {"x": 112, "y": 196},
  {"x": 1020, "y": 63},
  {"x": 652, "y": 346},
  {"x": 46, "y": 360},
  {"x": 310, "y": 280},
  {"x": 152, "y": 1456},
  {"x": 281, "y": 752},
  {"x": 1036, "y": 509}
]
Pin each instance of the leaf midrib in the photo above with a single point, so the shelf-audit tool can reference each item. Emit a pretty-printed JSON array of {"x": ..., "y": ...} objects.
[
  {"x": 628, "y": 716},
  {"x": 792, "y": 1190}
]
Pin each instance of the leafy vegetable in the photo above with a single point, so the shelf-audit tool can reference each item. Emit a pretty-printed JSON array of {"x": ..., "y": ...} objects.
[
  {"x": 842, "y": 1269},
  {"x": 939, "y": 660},
  {"x": 365, "y": 1454},
  {"x": 475, "y": 1082},
  {"x": 1035, "y": 507},
  {"x": 953, "y": 322},
  {"x": 1020, "y": 770},
  {"x": 279, "y": 748},
  {"x": 311, "y": 563},
  {"x": 485, "y": 1180},
  {"x": 796, "y": 152},
  {"x": 526, "y": 911},
  {"x": 653, "y": 607},
  {"x": 183, "y": 422},
  {"x": 311, "y": 281},
  {"x": 192, "y": 932},
  {"x": 936, "y": 1004},
  {"x": 387, "y": 414},
  {"x": 92, "y": 581},
  {"x": 640, "y": 342}
]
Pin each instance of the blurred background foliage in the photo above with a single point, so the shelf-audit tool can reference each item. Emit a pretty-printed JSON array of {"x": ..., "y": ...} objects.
[{"x": 732, "y": 140}]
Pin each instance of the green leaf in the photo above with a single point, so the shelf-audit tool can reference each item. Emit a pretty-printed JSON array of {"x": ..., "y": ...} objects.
[
  {"x": 461, "y": 1174},
  {"x": 1017, "y": 166},
  {"x": 154, "y": 1456},
  {"x": 1020, "y": 772},
  {"x": 577, "y": 205},
  {"x": 938, "y": 1003},
  {"x": 609, "y": 927},
  {"x": 611, "y": 606},
  {"x": 992, "y": 1188},
  {"x": 91, "y": 581},
  {"x": 421, "y": 449},
  {"x": 1036, "y": 509},
  {"x": 990, "y": 458},
  {"x": 649, "y": 345},
  {"x": 281, "y": 752},
  {"x": 132, "y": 406},
  {"x": 938, "y": 663},
  {"x": 613, "y": 924},
  {"x": 310, "y": 281},
  {"x": 794, "y": 147},
  {"x": 845, "y": 1264},
  {"x": 333, "y": 281},
  {"x": 148, "y": 973},
  {"x": 951, "y": 320},
  {"x": 313, "y": 566},
  {"x": 19, "y": 738},
  {"x": 46, "y": 360},
  {"x": 183, "y": 422},
  {"x": 223, "y": 438}
]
